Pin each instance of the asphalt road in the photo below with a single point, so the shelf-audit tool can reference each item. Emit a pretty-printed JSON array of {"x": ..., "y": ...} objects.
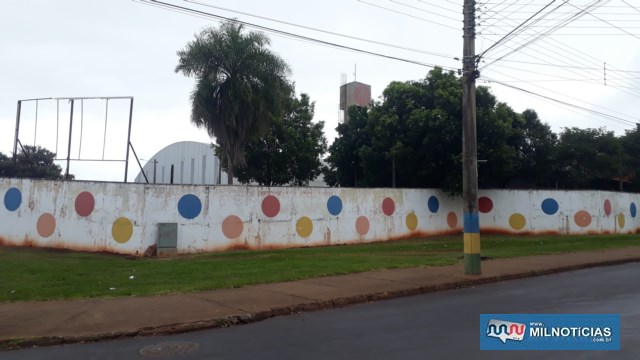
[{"x": 441, "y": 325}]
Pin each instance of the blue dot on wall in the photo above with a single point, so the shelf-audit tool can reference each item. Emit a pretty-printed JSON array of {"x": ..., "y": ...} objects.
[
  {"x": 12, "y": 199},
  {"x": 334, "y": 205},
  {"x": 549, "y": 206},
  {"x": 633, "y": 209},
  {"x": 433, "y": 204},
  {"x": 189, "y": 206}
]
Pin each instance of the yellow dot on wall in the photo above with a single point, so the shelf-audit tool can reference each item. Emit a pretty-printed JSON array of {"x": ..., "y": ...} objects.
[
  {"x": 517, "y": 221},
  {"x": 412, "y": 221},
  {"x": 122, "y": 230},
  {"x": 621, "y": 220},
  {"x": 304, "y": 226}
]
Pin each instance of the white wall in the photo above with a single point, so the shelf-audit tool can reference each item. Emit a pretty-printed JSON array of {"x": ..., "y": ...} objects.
[{"x": 59, "y": 214}]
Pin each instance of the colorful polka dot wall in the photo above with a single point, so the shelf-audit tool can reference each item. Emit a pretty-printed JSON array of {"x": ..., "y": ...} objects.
[
  {"x": 84, "y": 205},
  {"x": 296, "y": 216}
]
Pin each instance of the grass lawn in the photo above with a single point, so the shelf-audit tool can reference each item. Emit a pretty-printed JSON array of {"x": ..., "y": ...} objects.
[{"x": 38, "y": 274}]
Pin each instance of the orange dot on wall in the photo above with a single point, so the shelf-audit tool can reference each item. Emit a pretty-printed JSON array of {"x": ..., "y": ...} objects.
[
  {"x": 582, "y": 218},
  {"x": 362, "y": 225},
  {"x": 232, "y": 227},
  {"x": 452, "y": 220},
  {"x": 46, "y": 225}
]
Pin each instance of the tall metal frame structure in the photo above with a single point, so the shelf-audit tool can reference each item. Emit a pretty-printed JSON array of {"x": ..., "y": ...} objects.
[{"x": 72, "y": 101}]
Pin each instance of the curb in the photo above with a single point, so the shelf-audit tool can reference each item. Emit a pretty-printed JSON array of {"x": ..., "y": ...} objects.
[{"x": 171, "y": 329}]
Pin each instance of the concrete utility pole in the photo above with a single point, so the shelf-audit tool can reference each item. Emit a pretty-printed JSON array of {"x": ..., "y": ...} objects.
[{"x": 469, "y": 144}]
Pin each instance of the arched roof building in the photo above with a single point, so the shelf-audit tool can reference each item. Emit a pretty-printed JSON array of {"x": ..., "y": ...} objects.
[{"x": 184, "y": 162}]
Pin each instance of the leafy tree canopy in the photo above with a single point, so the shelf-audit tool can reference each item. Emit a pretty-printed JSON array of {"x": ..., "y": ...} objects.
[
  {"x": 289, "y": 154},
  {"x": 411, "y": 137},
  {"x": 31, "y": 162}
]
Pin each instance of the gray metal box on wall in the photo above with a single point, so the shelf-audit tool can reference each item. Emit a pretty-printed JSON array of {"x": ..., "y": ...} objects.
[{"x": 167, "y": 239}]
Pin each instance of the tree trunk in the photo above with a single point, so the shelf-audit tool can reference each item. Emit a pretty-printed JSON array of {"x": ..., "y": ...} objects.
[
  {"x": 393, "y": 171},
  {"x": 230, "y": 174}
]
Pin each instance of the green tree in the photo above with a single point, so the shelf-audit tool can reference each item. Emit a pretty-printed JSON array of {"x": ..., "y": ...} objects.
[
  {"x": 412, "y": 137},
  {"x": 344, "y": 161},
  {"x": 536, "y": 150},
  {"x": 32, "y": 162},
  {"x": 241, "y": 87},
  {"x": 290, "y": 152},
  {"x": 630, "y": 161},
  {"x": 588, "y": 158}
]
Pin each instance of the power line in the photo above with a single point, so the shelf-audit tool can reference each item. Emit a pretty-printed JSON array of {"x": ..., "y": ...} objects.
[
  {"x": 566, "y": 107},
  {"x": 182, "y": 9},
  {"x": 567, "y": 96},
  {"x": 534, "y": 38},
  {"x": 409, "y": 15},
  {"x": 440, "y": 6},
  {"x": 574, "y": 34},
  {"x": 423, "y": 10},
  {"x": 558, "y": 78},
  {"x": 574, "y": 62},
  {"x": 514, "y": 30},
  {"x": 617, "y": 27},
  {"x": 608, "y": 116},
  {"x": 631, "y": 6},
  {"x": 321, "y": 30}
]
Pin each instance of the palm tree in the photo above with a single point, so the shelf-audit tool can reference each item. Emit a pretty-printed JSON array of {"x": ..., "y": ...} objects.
[{"x": 241, "y": 86}]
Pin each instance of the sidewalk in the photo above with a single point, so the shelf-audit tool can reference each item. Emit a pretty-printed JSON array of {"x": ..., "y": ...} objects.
[{"x": 54, "y": 322}]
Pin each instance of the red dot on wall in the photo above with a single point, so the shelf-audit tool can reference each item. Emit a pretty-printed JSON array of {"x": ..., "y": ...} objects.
[
  {"x": 85, "y": 203},
  {"x": 388, "y": 206},
  {"x": 607, "y": 207},
  {"x": 485, "y": 204},
  {"x": 270, "y": 206}
]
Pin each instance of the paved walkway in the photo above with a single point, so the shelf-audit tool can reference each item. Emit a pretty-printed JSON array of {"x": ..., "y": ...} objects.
[{"x": 53, "y": 322}]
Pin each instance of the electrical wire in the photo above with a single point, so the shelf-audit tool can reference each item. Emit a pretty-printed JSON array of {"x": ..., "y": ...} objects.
[
  {"x": 408, "y": 15},
  {"x": 423, "y": 10},
  {"x": 182, "y": 9},
  {"x": 570, "y": 97},
  {"x": 506, "y": 37},
  {"x": 609, "y": 23},
  {"x": 439, "y": 6},
  {"x": 580, "y": 13},
  {"x": 631, "y": 6},
  {"x": 573, "y": 62},
  {"x": 321, "y": 30},
  {"x": 604, "y": 115}
]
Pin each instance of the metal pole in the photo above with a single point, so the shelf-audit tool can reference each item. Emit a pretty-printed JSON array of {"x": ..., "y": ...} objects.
[
  {"x": 469, "y": 145},
  {"x": 104, "y": 140},
  {"x": 15, "y": 140},
  {"x": 155, "y": 163},
  {"x": 66, "y": 174},
  {"x": 82, "y": 127},
  {"x": 35, "y": 129},
  {"x": 126, "y": 162}
]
